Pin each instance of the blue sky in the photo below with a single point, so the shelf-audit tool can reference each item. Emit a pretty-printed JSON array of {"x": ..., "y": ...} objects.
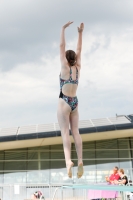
[{"x": 30, "y": 65}]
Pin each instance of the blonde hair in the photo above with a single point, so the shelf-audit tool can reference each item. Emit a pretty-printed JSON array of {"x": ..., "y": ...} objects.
[{"x": 121, "y": 170}]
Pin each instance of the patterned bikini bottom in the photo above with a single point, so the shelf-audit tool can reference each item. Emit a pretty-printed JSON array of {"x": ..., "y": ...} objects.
[{"x": 71, "y": 101}]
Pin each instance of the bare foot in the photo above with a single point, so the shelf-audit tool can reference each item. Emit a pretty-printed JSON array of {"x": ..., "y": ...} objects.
[
  {"x": 69, "y": 169},
  {"x": 80, "y": 170}
]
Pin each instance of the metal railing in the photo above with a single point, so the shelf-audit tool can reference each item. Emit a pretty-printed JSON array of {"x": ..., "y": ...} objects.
[
  {"x": 50, "y": 192},
  {"x": 23, "y": 191}
]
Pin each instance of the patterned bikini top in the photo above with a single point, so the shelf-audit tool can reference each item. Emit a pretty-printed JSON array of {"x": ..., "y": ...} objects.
[{"x": 70, "y": 80}]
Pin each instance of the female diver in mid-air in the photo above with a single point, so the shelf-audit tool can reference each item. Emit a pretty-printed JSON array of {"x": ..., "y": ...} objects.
[{"x": 68, "y": 102}]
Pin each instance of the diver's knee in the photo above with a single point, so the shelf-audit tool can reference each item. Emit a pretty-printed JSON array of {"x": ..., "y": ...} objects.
[
  {"x": 65, "y": 132},
  {"x": 74, "y": 131}
]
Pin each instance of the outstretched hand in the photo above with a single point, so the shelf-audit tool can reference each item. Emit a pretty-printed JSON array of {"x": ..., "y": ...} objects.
[
  {"x": 81, "y": 28},
  {"x": 67, "y": 24}
]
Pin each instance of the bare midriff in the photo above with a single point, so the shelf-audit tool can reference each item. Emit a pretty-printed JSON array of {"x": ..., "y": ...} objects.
[{"x": 69, "y": 89}]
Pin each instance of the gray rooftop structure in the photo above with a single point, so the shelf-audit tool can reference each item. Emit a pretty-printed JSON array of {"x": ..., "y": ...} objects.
[{"x": 52, "y": 130}]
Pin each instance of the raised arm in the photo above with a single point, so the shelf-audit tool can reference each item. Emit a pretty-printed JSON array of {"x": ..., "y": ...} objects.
[
  {"x": 62, "y": 44},
  {"x": 79, "y": 44}
]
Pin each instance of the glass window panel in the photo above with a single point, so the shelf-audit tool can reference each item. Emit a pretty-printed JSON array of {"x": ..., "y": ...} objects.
[
  {"x": 38, "y": 176},
  {"x": 59, "y": 174},
  {"x": 131, "y": 142},
  {"x": 1, "y": 161},
  {"x": 130, "y": 174},
  {"x": 15, "y": 177},
  {"x": 131, "y": 139},
  {"x": 107, "y": 164},
  {"x": 74, "y": 155},
  {"x": 90, "y": 164},
  {"x": 107, "y": 144},
  {"x": 45, "y": 165},
  {"x": 38, "y": 148},
  {"x": 124, "y": 147},
  {"x": 89, "y": 154},
  {"x": 33, "y": 148},
  {"x": 33, "y": 165},
  {"x": 123, "y": 143},
  {"x": 57, "y": 159},
  {"x": 56, "y": 147},
  {"x": 33, "y": 155},
  {"x": 101, "y": 176},
  {"x": 89, "y": 171},
  {"x": 89, "y": 145},
  {"x": 1, "y": 165},
  {"x": 1, "y": 177},
  {"x": 57, "y": 164},
  {"x": 34, "y": 176},
  {"x": 106, "y": 155},
  {"x": 45, "y": 176},
  {"x": 57, "y": 154},
  {"x": 124, "y": 153},
  {"x": 36, "y": 163},
  {"x": 15, "y": 165},
  {"x": 44, "y": 155},
  {"x": 125, "y": 164},
  {"x": 15, "y": 155},
  {"x": 45, "y": 148},
  {"x": 101, "y": 173}
]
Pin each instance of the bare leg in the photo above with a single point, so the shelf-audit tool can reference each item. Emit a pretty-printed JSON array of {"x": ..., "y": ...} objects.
[
  {"x": 63, "y": 114},
  {"x": 74, "y": 118}
]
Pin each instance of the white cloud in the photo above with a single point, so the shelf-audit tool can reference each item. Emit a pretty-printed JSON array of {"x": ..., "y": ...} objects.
[
  {"x": 30, "y": 82},
  {"x": 106, "y": 75},
  {"x": 108, "y": 66},
  {"x": 29, "y": 56}
]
